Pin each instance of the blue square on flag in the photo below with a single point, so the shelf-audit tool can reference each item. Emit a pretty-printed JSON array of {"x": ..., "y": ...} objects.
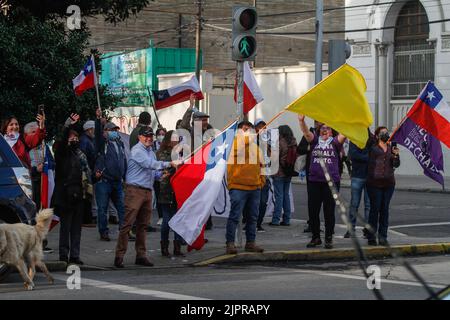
[{"x": 431, "y": 95}]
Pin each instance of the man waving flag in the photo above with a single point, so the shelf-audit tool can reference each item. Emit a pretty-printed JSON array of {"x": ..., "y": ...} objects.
[
  {"x": 86, "y": 79},
  {"x": 197, "y": 185}
]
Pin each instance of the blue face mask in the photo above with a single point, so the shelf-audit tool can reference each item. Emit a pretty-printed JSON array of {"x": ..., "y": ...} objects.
[{"x": 113, "y": 135}]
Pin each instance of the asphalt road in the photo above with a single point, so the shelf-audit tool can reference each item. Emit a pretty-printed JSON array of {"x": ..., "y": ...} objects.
[
  {"x": 411, "y": 213},
  {"x": 343, "y": 281}
]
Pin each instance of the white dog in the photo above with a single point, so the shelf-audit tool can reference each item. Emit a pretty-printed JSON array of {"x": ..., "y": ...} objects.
[{"x": 21, "y": 245}]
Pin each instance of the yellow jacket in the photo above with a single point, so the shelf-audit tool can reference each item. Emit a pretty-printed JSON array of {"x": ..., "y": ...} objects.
[{"x": 244, "y": 173}]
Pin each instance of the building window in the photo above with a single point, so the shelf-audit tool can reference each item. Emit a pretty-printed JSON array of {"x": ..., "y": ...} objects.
[{"x": 413, "y": 53}]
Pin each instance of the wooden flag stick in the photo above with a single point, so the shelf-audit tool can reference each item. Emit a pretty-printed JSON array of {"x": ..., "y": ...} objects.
[{"x": 96, "y": 82}]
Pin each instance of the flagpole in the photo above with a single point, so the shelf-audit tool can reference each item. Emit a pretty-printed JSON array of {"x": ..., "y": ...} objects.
[
  {"x": 96, "y": 81},
  {"x": 150, "y": 95}
]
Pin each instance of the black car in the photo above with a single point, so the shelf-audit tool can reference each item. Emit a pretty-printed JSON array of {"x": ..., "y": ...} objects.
[{"x": 15, "y": 191}]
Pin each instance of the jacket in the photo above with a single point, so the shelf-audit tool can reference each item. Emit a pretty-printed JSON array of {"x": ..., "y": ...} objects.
[
  {"x": 166, "y": 194},
  {"x": 381, "y": 167},
  {"x": 87, "y": 145},
  {"x": 196, "y": 141},
  {"x": 246, "y": 176},
  {"x": 360, "y": 159},
  {"x": 283, "y": 153}
]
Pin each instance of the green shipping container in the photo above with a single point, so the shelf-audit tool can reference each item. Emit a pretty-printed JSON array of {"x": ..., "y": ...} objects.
[{"x": 128, "y": 75}]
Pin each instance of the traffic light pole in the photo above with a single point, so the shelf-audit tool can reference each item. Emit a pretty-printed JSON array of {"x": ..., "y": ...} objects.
[
  {"x": 240, "y": 89},
  {"x": 197, "y": 44},
  {"x": 319, "y": 40}
]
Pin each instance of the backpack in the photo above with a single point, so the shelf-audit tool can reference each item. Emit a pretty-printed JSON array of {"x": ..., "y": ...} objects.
[{"x": 291, "y": 159}]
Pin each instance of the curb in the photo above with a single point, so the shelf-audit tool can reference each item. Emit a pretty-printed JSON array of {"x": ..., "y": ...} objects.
[
  {"x": 322, "y": 254},
  {"x": 398, "y": 188}
]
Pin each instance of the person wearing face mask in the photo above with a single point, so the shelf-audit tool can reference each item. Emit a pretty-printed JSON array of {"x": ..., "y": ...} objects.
[
  {"x": 383, "y": 159},
  {"x": 160, "y": 133},
  {"x": 110, "y": 171},
  {"x": 71, "y": 171},
  {"x": 323, "y": 146},
  {"x": 23, "y": 143}
]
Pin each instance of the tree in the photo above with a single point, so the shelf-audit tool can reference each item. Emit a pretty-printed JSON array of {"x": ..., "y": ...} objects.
[{"x": 39, "y": 58}]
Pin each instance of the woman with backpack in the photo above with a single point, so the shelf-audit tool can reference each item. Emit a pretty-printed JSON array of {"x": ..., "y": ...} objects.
[
  {"x": 282, "y": 179},
  {"x": 328, "y": 148}
]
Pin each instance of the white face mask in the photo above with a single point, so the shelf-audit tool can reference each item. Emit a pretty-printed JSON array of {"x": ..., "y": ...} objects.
[{"x": 160, "y": 138}]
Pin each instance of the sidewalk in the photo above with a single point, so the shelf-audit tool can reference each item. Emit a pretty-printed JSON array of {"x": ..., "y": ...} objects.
[
  {"x": 403, "y": 183},
  {"x": 280, "y": 244}
]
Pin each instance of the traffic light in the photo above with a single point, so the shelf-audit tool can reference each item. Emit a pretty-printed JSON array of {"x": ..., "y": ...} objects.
[
  {"x": 243, "y": 39},
  {"x": 338, "y": 52}
]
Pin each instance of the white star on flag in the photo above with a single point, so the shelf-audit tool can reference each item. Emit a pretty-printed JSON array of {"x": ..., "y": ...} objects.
[
  {"x": 430, "y": 95},
  {"x": 222, "y": 148}
]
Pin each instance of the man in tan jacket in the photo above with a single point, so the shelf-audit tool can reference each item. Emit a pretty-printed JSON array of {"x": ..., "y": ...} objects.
[{"x": 244, "y": 182}]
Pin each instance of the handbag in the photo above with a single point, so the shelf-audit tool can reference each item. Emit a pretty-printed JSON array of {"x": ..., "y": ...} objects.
[{"x": 300, "y": 163}]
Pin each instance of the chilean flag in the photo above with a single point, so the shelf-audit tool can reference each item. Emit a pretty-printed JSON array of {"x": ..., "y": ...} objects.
[
  {"x": 432, "y": 113},
  {"x": 179, "y": 93},
  {"x": 252, "y": 93},
  {"x": 86, "y": 79},
  {"x": 197, "y": 185},
  {"x": 48, "y": 184}
]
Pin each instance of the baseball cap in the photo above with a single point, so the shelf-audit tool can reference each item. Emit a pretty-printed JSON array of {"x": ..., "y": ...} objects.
[
  {"x": 111, "y": 126},
  {"x": 146, "y": 131},
  {"x": 259, "y": 121},
  {"x": 88, "y": 125}
]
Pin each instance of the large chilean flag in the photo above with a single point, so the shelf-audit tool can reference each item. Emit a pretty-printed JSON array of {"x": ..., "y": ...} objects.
[
  {"x": 197, "y": 184},
  {"x": 179, "y": 93},
  {"x": 432, "y": 113},
  {"x": 86, "y": 78},
  {"x": 252, "y": 93}
]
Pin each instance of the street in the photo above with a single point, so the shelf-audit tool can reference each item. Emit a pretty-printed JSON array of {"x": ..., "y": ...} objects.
[{"x": 291, "y": 281}]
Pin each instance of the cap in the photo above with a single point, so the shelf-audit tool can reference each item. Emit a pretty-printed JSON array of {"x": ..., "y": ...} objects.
[
  {"x": 146, "y": 131},
  {"x": 259, "y": 121},
  {"x": 88, "y": 125},
  {"x": 111, "y": 126},
  {"x": 199, "y": 114}
]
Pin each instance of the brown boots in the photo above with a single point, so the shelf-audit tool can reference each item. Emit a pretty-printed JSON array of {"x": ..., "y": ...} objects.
[
  {"x": 249, "y": 247},
  {"x": 176, "y": 249},
  {"x": 165, "y": 248}
]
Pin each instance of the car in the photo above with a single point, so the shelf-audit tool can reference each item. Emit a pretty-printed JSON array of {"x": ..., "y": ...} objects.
[{"x": 16, "y": 204}]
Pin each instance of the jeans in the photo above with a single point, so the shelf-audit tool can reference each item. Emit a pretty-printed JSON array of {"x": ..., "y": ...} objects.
[
  {"x": 104, "y": 191},
  {"x": 71, "y": 218},
  {"x": 168, "y": 211},
  {"x": 380, "y": 199},
  {"x": 263, "y": 202},
  {"x": 239, "y": 199},
  {"x": 281, "y": 187},
  {"x": 358, "y": 186}
]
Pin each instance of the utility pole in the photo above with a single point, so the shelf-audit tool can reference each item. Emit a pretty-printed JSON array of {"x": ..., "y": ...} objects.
[
  {"x": 197, "y": 44},
  {"x": 319, "y": 40}
]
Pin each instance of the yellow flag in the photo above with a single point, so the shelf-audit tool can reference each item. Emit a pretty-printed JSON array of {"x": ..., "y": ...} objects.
[{"x": 339, "y": 101}]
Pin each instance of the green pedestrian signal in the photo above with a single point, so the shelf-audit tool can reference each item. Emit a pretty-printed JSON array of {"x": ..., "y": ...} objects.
[{"x": 244, "y": 33}]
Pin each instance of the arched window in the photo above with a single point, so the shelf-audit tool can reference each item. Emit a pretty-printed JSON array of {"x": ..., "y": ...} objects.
[{"x": 413, "y": 53}]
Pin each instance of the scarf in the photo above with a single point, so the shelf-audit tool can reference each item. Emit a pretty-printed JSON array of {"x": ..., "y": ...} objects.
[
  {"x": 324, "y": 144},
  {"x": 12, "y": 138}
]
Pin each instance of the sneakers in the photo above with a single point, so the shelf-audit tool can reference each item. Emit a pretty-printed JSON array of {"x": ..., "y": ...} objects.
[
  {"x": 231, "y": 248},
  {"x": 347, "y": 235},
  {"x": 143, "y": 262},
  {"x": 260, "y": 229},
  {"x": 285, "y": 224},
  {"x": 307, "y": 229},
  {"x": 383, "y": 242},
  {"x": 105, "y": 237},
  {"x": 328, "y": 244},
  {"x": 47, "y": 250},
  {"x": 274, "y": 224},
  {"x": 314, "y": 243},
  {"x": 76, "y": 261},
  {"x": 252, "y": 247},
  {"x": 372, "y": 242},
  {"x": 160, "y": 220}
]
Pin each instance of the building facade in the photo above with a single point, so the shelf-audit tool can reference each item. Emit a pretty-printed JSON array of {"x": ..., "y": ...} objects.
[{"x": 403, "y": 45}]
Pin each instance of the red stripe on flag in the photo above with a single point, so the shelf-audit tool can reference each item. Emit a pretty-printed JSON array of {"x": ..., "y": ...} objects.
[
  {"x": 249, "y": 100},
  {"x": 431, "y": 121},
  {"x": 199, "y": 242},
  {"x": 87, "y": 83},
  {"x": 177, "y": 98},
  {"x": 44, "y": 191}
]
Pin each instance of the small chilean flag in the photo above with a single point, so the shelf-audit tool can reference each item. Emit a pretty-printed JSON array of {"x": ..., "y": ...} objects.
[
  {"x": 252, "y": 93},
  {"x": 86, "y": 79},
  {"x": 197, "y": 185},
  {"x": 179, "y": 93},
  {"x": 48, "y": 184},
  {"x": 432, "y": 113}
]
